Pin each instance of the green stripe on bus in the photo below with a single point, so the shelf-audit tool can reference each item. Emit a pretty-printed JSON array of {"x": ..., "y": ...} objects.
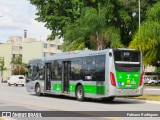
[
  {"x": 57, "y": 87},
  {"x": 92, "y": 89}
]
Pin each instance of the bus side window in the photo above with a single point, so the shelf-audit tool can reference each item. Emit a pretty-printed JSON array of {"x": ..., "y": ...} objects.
[
  {"x": 76, "y": 67},
  {"x": 56, "y": 70},
  {"x": 41, "y": 74},
  {"x": 88, "y": 68},
  {"x": 30, "y": 72},
  {"x": 100, "y": 68},
  {"x": 35, "y": 73}
]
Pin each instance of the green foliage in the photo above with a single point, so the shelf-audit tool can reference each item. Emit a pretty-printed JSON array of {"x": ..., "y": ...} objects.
[
  {"x": 65, "y": 17},
  {"x": 92, "y": 31},
  {"x": 148, "y": 39},
  {"x": 157, "y": 70},
  {"x": 20, "y": 67},
  {"x": 20, "y": 70},
  {"x": 17, "y": 60},
  {"x": 1, "y": 63}
]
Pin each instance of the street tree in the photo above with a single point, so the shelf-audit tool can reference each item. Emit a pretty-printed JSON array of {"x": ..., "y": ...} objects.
[
  {"x": 18, "y": 66},
  {"x": 91, "y": 31},
  {"x": 2, "y": 67},
  {"x": 147, "y": 37},
  {"x": 122, "y": 16}
]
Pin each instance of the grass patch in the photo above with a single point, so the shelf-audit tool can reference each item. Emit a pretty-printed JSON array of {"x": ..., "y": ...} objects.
[
  {"x": 147, "y": 97},
  {"x": 151, "y": 86}
]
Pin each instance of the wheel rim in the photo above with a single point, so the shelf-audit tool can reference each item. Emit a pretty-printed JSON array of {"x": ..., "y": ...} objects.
[
  {"x": 79, "y": 94},
  {"x": 38, "y": 89}
]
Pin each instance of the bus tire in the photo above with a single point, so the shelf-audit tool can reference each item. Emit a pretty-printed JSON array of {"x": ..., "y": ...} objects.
[
  {"x": 38, "y": 90},
  {"x": 108, "y": 99},
  {"x": 80, "y": 93},
  {"x": 9, "y": 84}
]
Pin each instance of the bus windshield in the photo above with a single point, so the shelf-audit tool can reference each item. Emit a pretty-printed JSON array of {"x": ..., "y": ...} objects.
[
  {"x": 127, "y": 60},
  {"x": 127, "y": 56}
]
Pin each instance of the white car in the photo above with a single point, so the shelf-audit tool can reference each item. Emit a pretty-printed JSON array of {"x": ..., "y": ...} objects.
[
  {"x": 16, "y": 80},
  {"x": 152, "y": 82}
]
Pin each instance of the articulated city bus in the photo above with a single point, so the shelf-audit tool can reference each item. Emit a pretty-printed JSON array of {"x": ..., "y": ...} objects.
[{"x": 103, "y": 74}]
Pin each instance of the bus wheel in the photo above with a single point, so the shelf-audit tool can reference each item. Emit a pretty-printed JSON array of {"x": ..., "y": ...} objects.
[
  {"x": 38, "y": 90},
  {"x": 15, "y": 84},
  {"x": 9, "y": 84},
  {"x": 80, "y": 93},
  {"x": 108, "y": 99}
]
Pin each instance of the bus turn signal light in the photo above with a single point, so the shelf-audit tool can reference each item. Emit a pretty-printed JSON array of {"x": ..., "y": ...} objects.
[
  {"x": 141, "y": 79},
  {"x": 112, "y": 78}
]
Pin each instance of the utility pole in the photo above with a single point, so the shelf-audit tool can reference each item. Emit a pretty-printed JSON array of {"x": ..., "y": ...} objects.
[{"x": 139, "y": 6}]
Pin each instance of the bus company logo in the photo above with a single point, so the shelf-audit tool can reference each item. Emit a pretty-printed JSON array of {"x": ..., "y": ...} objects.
[
  {"x": 6, "y": 114},
  {"x": 128, "y": 76}
]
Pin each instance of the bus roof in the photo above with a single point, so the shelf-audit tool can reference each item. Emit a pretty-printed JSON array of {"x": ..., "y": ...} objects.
[{"x": 72, "y": 54}]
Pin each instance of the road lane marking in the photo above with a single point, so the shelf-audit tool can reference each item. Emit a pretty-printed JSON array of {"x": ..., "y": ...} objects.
[
  {"x": 50, "y": 107},
  {"x": 36, "y": 105}
]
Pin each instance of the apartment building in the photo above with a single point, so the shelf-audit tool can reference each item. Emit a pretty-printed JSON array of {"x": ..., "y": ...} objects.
[
  {"x": 30, "y": 48},
  {"x": 37, "y": 49},
  {"x": 10, "y": 50}
]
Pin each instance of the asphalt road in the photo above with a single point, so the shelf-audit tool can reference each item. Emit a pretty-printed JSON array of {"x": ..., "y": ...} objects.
[
  {"x": 18, "y": 99},
  {"x": 153, "y": 91}
]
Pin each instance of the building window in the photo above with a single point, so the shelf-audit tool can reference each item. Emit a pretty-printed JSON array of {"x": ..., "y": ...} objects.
[
  {"x": 16, "y": 55},
  {"x": 15, "y": 48},
  {"x": 13, "y": 55},
  {"x": 52, "y": 45},
  {"x": 45, "y": 54},
  {"x": 59, "y": 47},
  {"x": 52, "y": 54},
  {"x": 45, "y": 45}
]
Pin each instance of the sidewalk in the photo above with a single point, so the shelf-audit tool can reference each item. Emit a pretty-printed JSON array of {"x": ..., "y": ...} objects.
[{"x": 3, "y": 84}]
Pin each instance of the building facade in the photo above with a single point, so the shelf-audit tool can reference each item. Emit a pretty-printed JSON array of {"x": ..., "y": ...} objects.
[
  {"x": 9, "y": 50},
  {"x": 28, "y": 49},
  {"x": 37, "y": 49}
]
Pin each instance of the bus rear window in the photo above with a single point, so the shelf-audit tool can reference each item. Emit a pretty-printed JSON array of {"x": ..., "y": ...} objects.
[{"x": 127, "y": 56}]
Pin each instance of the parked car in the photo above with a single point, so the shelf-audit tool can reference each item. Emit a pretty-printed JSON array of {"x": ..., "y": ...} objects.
[
  {"x": 146, "y": 79},
  {"x": 152, "y": 81},
  {"x": 158, "y": 81},
  {"x": 16, "y": 80}
]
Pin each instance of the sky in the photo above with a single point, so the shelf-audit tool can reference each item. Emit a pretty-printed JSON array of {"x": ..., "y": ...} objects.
[{"x": 18, "y": 15}]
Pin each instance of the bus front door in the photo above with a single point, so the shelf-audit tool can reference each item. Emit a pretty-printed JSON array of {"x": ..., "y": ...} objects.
[
  {"x": 48, "y": 76},
  {"x": 66, "y": 76}
]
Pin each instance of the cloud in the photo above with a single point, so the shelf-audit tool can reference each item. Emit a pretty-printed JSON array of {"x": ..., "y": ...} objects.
[{"x": 18, "y": 15}]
